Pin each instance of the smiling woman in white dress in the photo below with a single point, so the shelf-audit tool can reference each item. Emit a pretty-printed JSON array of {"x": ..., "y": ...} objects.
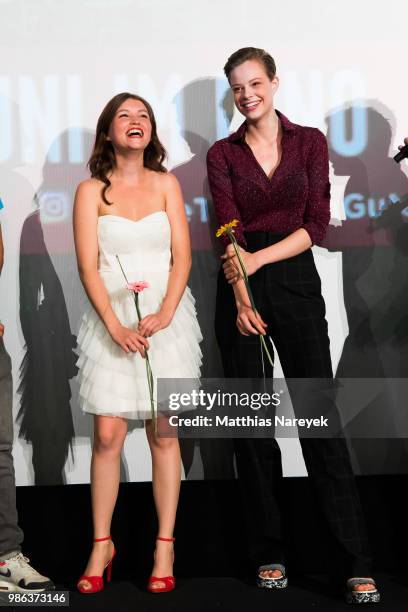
[{"x": 132, "y": 209}]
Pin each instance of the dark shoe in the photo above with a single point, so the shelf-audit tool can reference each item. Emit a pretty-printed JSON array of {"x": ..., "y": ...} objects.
[
  {"x": 361, "y": 597},
  {"x": 272, "y": 583}
]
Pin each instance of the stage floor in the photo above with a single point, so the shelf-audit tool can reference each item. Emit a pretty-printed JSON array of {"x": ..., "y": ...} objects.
[{"x": 208, "y": 594}]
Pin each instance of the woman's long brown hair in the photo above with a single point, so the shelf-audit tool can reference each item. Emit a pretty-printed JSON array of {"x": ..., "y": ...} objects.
[{"x": 102, "y": 160}]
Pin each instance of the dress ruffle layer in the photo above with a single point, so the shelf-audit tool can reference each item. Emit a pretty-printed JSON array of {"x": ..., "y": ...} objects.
[{"x": 114, "y": 383}]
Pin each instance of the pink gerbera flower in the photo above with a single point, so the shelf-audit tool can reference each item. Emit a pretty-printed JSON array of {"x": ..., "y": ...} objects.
[{"x": 137, "y": 286}]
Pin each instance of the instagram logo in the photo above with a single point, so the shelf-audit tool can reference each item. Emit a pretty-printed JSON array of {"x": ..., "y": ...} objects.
[{"x": 54, "y": 206}]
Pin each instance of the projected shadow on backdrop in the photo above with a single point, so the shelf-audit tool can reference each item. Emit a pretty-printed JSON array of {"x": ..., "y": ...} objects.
[
  {"x": 373, "y": 242},
  {"x": 48, "y": 365},
  {"x": 60, "y": 178},
  {"x": 204, "y": 110},
  {"x": 49, "y": 361}
]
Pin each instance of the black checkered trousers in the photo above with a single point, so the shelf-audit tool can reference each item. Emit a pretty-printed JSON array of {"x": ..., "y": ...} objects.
[{"x": 288, "y": 296}]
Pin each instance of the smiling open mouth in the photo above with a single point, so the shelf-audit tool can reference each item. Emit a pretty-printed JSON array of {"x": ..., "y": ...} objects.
[
  {"x": 135, "y": 133},
  {"x": 250, "y": 105}
]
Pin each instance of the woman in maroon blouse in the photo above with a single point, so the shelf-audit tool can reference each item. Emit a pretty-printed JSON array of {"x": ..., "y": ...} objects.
[{"x": 273, "y": 176}]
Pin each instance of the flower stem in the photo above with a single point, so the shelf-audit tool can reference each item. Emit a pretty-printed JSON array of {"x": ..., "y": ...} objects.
[
  {"x": 149, "y": 373},
  {"x": 248, "y": 288}
]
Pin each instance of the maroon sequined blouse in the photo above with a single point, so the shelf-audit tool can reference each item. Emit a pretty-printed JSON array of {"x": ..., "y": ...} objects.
[{"x": 297, "y": 195}]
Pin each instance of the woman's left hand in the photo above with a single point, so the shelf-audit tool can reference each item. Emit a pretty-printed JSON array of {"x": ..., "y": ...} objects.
[
  {"x": 151, "y": 324},
  {"x": 231, "y": 265}
]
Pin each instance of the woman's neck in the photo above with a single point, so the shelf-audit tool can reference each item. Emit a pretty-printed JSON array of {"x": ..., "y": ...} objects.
[
  {"x": 263, "y": 131},
  {"x": 129, "y": 166}
]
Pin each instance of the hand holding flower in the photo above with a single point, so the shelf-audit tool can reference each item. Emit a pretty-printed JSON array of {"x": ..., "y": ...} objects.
[
  {"x": 231, "y": 264},
  {"x": 240, "y": 264},
  {"x": 129, "y": 340},
  {"x": 151, "y": 324},
  {"x": 250, "y": 322}
]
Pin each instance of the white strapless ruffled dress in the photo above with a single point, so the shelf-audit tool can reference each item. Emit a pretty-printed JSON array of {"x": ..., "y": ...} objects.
[{"x": 112, "y": 382}]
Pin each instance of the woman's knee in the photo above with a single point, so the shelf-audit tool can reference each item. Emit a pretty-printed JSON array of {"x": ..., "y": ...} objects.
[
  {"x": 164, "y": 444},
  {"x": 109, "y": 439}
]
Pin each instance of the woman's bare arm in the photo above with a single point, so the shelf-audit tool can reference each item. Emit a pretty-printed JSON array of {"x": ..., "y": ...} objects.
[
  {"x": 85, "y": 219},
  {"x": 181, "y": 259}
]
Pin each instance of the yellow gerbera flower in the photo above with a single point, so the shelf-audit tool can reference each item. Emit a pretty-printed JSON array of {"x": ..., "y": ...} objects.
[{"x": 228, "y": 226}]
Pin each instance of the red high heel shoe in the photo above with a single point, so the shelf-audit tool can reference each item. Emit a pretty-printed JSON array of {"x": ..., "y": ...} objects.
[
  {"x": 96, "y": 582},
  {"x": 169, "y": 581}
]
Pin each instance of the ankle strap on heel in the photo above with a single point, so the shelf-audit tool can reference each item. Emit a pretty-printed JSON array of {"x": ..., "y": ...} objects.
[
  {"x": 102, "y": 539},
  {"x": 166, "y": 539}
]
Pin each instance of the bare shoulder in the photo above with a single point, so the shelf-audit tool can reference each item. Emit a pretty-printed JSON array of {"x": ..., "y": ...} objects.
[
  {"x": 167, "y": 185},
  {"x": 89, "y": 187},
  {"x": 169, "y": 182},
  {"x": 89, "y": 193},
  {"x": 88, "y": 198}
]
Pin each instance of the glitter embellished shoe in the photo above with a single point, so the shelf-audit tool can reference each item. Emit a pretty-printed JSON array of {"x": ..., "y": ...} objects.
[
  {"x": 361, "y": 597},
  {"x": 280, "y": 582}
]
